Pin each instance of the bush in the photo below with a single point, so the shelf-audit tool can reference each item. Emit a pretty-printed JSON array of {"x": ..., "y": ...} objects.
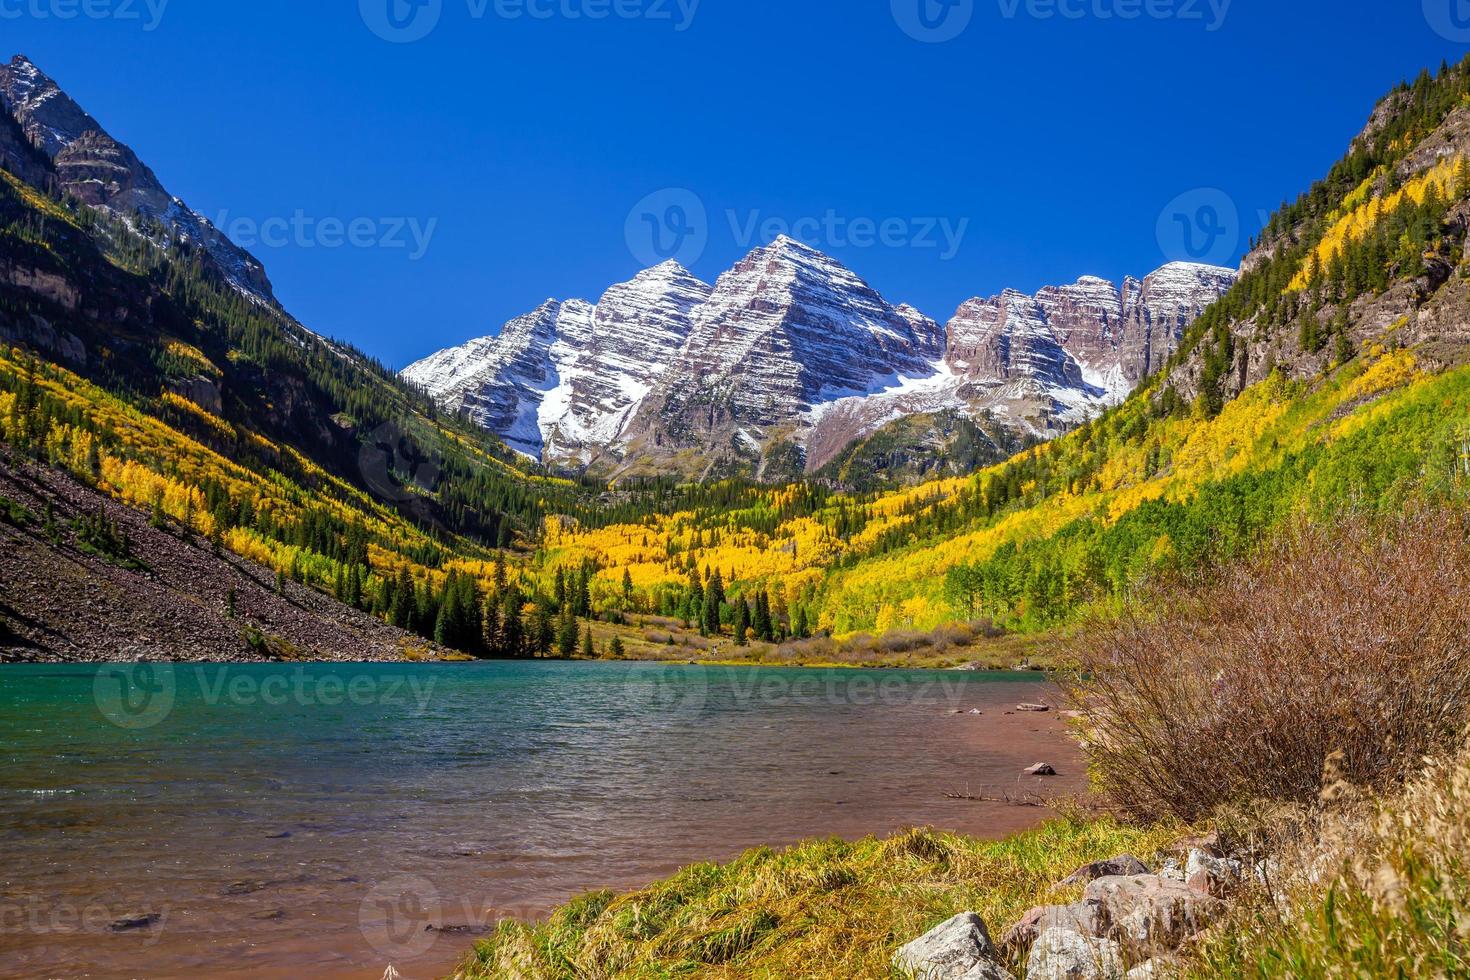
[{"x": 1354, "y": 641}]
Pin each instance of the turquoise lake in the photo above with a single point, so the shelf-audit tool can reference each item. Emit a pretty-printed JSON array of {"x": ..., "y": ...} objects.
[{"x": 328, "y": 821}]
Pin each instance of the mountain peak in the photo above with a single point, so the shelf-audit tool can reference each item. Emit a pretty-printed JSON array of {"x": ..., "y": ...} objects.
[{"x": 107, "y": 175}]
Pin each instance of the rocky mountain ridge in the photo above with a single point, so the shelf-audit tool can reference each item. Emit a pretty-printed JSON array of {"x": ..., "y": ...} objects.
[
  {"x": 790, "y": 358},
  {"x": 91, "y": 165}
]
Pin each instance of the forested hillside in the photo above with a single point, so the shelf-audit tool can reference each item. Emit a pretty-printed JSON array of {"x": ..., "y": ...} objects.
[{"x": 1331, "y": 376}]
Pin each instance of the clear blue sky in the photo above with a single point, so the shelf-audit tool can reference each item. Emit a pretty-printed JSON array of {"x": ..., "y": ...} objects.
[{"x": 527, "y": 140}]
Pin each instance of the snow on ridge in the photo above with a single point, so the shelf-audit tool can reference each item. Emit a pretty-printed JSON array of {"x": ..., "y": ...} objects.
[{"x": 791, "y": 339}]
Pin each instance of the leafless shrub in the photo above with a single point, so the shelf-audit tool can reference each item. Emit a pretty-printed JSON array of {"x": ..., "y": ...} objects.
[{"x": 1352, "y": 641}]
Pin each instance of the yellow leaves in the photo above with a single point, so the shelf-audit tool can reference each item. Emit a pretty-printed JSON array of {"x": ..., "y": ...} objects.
[
  {"x": 194, "y": 356},
  {"x": 1388, "y": 372},
  {"x": 1359, "y": 223},
  {"x": 35, "y": 200},
  {"x": 214, "y": 422}
]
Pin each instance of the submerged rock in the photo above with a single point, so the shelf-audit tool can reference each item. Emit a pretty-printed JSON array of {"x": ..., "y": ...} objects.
[
  {"x": 957, "y": 949},
  {"x": 1041, "y": 769},
  {"x": 137, "y": 920}
]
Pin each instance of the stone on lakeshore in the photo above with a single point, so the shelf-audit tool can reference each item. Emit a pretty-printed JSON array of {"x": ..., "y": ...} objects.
[
  {"x": 1083, "y": 917},
  {"x": 1041, "y": 769},
  {"x": 1211, "y": 875},
  {"x": 953, "y": 950},
  {"x": 1149, "y": 912},
  {"x": 1062, "y": 954},
  {"x": 1155, "y": 969},
  {"x": 1033, "y": 707},
  {"x": 1123, "y": 864}
]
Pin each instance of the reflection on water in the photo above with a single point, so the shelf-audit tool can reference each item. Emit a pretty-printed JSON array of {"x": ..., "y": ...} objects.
[{"x": 328, "y": 820}]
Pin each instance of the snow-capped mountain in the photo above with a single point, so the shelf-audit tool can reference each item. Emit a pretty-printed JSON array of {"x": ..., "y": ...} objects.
[
  {"x": 790, "y": 357},
  {"x": 106, "y": 174},
  {"x": 561, "y": 382}
]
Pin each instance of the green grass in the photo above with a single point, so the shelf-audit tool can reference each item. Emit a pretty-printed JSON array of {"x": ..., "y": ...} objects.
[{"x": 824, "y": 909}]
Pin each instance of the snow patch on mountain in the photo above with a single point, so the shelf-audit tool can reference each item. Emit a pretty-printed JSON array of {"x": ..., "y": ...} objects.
[{"x": 791, "y": 346}]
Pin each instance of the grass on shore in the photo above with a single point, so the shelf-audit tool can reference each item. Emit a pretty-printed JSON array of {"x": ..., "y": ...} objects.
[
  {"x": 827, "y": 909},
  {"x": 658, "y": 639},
  {"x": 1380, "y": 887}
]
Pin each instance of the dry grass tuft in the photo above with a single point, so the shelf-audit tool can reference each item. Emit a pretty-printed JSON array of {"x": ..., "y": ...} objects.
[{"x": 1372, "y": 888}]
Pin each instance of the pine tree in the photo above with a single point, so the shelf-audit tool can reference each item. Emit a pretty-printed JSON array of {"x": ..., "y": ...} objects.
[
  {"x": 742, "y": 622},
  {"x": 709, "y": 616},
  {"x": 764, "y": 630},
  {"x": 401, "y": 612},
  {"x": 568, "y": 634},
  {"x": 512, "y": 628},
  {"x": 588, "y": 652}
]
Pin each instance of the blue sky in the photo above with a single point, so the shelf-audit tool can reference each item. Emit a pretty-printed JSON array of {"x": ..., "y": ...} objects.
[{"x": 524, "y": 149}]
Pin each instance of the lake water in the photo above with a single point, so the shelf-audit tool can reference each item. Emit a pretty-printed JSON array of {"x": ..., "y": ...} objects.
[{"x": 292, "y": 821}]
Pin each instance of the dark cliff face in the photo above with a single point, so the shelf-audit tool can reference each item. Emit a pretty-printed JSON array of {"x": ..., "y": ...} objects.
[{"x": 97, "y": 169}]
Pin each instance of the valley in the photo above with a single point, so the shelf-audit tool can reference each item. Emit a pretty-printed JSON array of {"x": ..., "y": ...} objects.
[{"x": 1216, "y": 515}]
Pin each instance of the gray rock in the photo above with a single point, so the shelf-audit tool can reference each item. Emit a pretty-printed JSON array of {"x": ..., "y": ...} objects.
[
  {"x": 1041, "y": 769},
  {"x": 137, "y": 920},
  {"x": 1213, "y": 875},
  {"x": 1123, "y": 864},
  {"x": 958, "y": 949},
  {"x": 1155, "y": 969},
  {"x": 1083, "y": 917},
  {"x": 1061, "y": 954},
  {"x": 1152, "y": 912}
]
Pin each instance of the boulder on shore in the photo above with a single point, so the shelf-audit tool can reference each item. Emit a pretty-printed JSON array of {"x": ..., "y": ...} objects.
[
  {"x": 1061, "y": 954},
  {"x": 1083, "y": 917},
  {"x": 1148, "y": 912},
  {"x": 957, "y": 949},
  {"x": 1123, "y": 865}
]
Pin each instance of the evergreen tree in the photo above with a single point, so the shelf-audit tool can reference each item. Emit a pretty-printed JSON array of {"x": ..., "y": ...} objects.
[
  {"x": 709, "y": 620},
  {"x": 512, "y": 628},
  {"x": 742, "y": 622},
  {"x": 567, "y": 634}
]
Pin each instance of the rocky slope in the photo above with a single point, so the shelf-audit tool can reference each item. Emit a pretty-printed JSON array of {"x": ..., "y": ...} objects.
[
  {"x": 175, "y": 598},
  {"x": 90, "y": 164},
  {"x": 790, "y": 359}
]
